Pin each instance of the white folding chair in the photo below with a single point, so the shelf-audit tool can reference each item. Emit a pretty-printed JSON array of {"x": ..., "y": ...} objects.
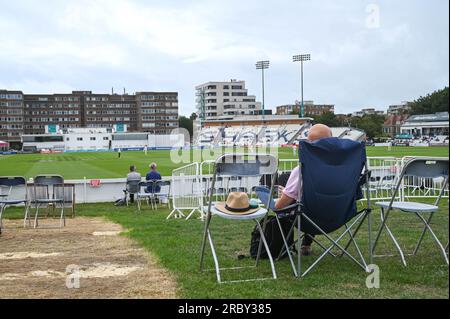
[
  {"x": 239, "y": 165},
  {"x": 416, "y": 168},
  {"x": 40, "y": 197},
  {"x": 7, "y": 184}
]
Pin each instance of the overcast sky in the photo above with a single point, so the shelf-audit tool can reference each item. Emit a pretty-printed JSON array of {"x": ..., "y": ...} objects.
[{"x": 364, "y": 53}]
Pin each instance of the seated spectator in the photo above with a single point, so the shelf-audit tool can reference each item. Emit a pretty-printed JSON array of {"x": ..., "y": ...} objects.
[
  {"x": 153, "y": 175},
  {"x": 133, "y": 175},
  {"x": 289, "y": 194}
]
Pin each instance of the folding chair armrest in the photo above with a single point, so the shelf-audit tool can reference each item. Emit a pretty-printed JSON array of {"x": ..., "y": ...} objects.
[{"x": 288, "y": 210}]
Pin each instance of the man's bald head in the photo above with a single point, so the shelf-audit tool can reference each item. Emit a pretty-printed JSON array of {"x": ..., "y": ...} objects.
[{"x": 318, "y": 131}]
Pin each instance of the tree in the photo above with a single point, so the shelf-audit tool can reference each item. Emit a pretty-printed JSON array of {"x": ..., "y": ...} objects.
[
  {"x": 193, "y": 116},
  {"x": 371, "y": 124},
  {"x": 327, "y": 118},
  {"x": 431, "y": 103},
  {"x": 186, "y": 123}
]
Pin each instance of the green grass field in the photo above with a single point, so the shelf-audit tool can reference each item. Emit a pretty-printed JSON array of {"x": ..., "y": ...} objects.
[
  {"x": 176, "y": 243},
  {"x": 107, "y": 165}
]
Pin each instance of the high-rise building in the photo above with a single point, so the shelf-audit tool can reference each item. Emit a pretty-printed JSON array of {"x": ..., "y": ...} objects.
[
  {"x": 153, "y": 112},
  {"x": 217, "y": 99}
]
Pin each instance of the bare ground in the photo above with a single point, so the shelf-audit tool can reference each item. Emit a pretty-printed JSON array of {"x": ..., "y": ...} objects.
[{"x": 34, "y": 263}]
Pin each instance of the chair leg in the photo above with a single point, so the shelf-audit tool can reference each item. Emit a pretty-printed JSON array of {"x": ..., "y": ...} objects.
[
  {"x": 216, "y": 260},
  {"x": 260, "y": 242},
  {"x": 369, "y": 230},
  {"x": 299, "y": 253},
  {"x": 286, "y": 247},
  {"x": 36, "y": 216},
  {"x": 384, "y": 220},
  {"x": 27, "y": 216},
  {"x": 205, "y": 235},
  {"x": 2, "y": 209},
  {"x": 288, "y": 236},
  {"x": 352, "y": 238},
  {"x": 354, "y": 234},
  {"x": 334, "y": 243},
  {"x": 266, "y": 246},
  {"x": 419, "y": 242},
  {"x": 441, "y": 248},
  {"x": 62, "y": 221}
]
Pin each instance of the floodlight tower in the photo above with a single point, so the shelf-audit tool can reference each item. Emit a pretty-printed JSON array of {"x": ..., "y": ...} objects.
[
  {"x": 300, "y": 58},
  {"x": 262, "y": 65}
]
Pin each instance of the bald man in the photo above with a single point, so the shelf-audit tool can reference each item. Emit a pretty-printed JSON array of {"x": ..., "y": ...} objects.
[{"x": 290, "y": 193}]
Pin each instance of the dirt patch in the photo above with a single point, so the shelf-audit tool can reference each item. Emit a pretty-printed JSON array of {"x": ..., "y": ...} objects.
[
  {"x": 26, "y": 254},
  {"x": 37, "y": 263},
  {"x": 106, "y": 233}
]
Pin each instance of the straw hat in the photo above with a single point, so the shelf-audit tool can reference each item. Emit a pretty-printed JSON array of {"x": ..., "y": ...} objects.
[{"x": 237, "y": 204}]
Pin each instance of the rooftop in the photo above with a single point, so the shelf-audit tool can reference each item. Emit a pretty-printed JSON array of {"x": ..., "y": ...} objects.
[{"x": 436, "y": 117}]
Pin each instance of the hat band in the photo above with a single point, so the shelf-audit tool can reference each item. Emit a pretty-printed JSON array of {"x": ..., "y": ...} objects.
[{"x": 237, "y": 210}]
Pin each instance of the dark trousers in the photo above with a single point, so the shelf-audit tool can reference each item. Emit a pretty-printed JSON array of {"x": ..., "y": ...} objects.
[{"x": 307, "y": 240}]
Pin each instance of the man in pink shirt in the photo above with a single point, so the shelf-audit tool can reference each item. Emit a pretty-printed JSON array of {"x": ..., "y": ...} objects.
[{"x": 290, "y": 193}]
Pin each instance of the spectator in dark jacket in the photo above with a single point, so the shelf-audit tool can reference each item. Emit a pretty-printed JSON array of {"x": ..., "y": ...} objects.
[{"x": 153, "y": 175}]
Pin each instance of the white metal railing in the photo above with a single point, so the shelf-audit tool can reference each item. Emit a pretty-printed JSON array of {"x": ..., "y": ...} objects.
[
  {"x": 385, "y": 173},
  {"x": 190, "y": 184},
  {"x": 186, "y": 191},
  {"x": 419, "y": 187}
]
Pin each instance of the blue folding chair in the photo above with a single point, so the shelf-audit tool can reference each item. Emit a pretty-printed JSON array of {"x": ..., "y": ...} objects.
[{"x": 331, "y": 180}]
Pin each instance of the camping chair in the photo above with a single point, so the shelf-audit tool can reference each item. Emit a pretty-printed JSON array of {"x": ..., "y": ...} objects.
[
  {"x": 332, "y": 176},
  {"x": 244, "y": 165},
  {"x": 7, "y": 184},
  {"x": 39, "y": 197},
  {"x": 416, "y": 168},
  {"x": 132, "y": 188}
]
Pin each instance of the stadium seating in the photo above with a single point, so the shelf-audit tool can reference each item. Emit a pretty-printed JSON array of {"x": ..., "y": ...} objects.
[{"x": 266, "y": 135}]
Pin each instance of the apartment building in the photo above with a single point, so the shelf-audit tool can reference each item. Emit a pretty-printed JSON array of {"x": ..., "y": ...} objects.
[
  {"x": 310, "y": 108},
  {"x": 402, "y": 108},
  {"x": 11, "y": 115},
  {"x": 152, "y": 112},
  {"x": 218, "y": 99}
]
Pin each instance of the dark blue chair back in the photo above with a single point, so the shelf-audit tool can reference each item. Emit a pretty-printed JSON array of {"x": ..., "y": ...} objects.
[
  {"x": 331, "y": 170},
  {"x": 11, "y": 181}
]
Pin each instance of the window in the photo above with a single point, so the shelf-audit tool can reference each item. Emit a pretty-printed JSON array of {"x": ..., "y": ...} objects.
[
  {"x": 92, "y": 138},
  {"x": 79, "y": 138},
  {"x": 105, "y": 138}
]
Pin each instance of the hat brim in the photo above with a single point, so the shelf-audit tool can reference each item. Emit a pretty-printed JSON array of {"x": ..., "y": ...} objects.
[{"x": 221, "y": 207}]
